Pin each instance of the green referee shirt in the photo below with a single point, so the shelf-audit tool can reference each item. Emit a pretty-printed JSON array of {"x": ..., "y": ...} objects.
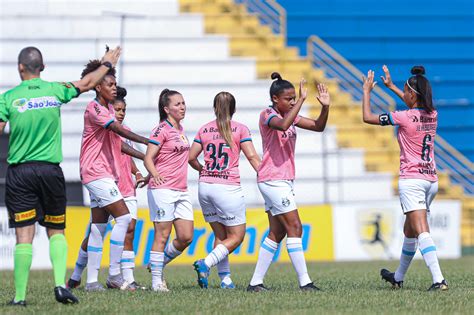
[{"x": 33, "y": 110}]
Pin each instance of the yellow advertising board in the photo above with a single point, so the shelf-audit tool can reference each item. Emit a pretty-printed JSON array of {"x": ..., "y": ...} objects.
[{"x": 317, "y": 236}]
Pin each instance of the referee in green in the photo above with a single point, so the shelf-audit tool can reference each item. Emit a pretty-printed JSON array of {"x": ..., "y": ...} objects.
[{"x": 35, "y": 188}]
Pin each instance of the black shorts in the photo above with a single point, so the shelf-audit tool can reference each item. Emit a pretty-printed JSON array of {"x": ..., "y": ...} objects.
[{"x": 36, "y": 192}]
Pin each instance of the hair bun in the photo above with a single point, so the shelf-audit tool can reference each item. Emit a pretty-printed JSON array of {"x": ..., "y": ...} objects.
[
  {"x": 121, "y": 92},
  {"x": 418, "y": 70},
  {"x": 164, "y": 92},
  {"x": 276, "y": 75}
]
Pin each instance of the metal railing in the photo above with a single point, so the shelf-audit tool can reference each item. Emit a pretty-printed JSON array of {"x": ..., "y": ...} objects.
[
  {"x": 450, "y": 160},
  {"x": 269, "y": 12}
]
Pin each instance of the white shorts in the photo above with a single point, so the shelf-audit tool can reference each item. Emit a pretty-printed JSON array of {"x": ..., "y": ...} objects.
[
  {"x": 131, "y": 203},
  {"x": 416, "y": 194},
  {"x": 278, "y": 195},
  {"x": 103, "y": 192},
  {"x": 168, "y": 205},
  {"x": 222, "y": 203}
]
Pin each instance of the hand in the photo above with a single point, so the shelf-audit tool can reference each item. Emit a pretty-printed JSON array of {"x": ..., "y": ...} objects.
[
  {"x": 141, "y": 181},
  {"x": 112, "y": 55},
  {"x": 323, "y": 96},
  {"x": 387, "y": 80},
  {"x": 303, "y": 91},
  {"x": 369, "y": 83},
  {"x": 158, "y": 179}
]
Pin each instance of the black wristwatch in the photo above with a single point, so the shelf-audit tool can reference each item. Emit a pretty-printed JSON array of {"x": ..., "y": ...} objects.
[{"x": 107, "y": 64}]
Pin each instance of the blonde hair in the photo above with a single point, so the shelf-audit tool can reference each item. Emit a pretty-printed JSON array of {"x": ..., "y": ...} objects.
[{"x": 224, "y": 108}]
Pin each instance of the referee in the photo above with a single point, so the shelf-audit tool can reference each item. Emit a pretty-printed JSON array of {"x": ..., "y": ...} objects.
[{"x": 35, "y": 188}]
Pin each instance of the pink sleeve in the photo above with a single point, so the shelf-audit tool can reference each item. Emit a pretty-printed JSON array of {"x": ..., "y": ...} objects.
[
  {"x": 197, "y": 138},
  {"x": 98, "y": 115},
  {"x": 268, "y": 114},
  {"x": 398, "y": 117},
  {"x": 297, "y": 120},
  {"x": 158, "y": 136},
  {"x": 245, "y": 134}
]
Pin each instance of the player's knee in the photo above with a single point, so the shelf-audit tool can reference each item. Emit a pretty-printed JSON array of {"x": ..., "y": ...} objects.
[{"x": 185, "y": 240}]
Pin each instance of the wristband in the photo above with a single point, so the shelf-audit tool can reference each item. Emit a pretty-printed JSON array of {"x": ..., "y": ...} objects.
[{"x": 107, "y": 64}]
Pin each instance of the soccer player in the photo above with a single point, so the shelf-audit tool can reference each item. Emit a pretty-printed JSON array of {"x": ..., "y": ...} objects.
[
  {"x": 276, "y": 175},
  {"x": 100, "y": 170},
  {"x": 166, "y": 160},
  {"x": 220, "y": 194},
  {"x": 35, "y": 187},
  {"x": 126, "y": 186},
  {"x": 418, "y": 182}
]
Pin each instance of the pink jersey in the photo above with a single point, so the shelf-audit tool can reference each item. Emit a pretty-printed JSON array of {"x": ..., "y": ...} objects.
[
  {"x": 100, "y": 148},
  {"x": 126, "y": 183},
  {"x": 416, "y": 137},
  {"x": 221, "y": 162},
  {"x": 172, "y": 160},
  {"x": 278, "y": 162}
]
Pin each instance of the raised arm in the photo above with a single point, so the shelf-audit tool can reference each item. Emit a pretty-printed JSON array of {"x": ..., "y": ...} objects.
[
  {"x": 367, "y": 115},
  {"x": 251, "y": 155},
  {"x": 127, "y": 149},
  {"x": 121, "y": 131},
  {"x": 194, "y": 152},
  {"x": 320, "y": 123},
  {"x": 387, "y": 80},
  {"x": 284, "y": 123},
  {"x": 91, "y": 80}
]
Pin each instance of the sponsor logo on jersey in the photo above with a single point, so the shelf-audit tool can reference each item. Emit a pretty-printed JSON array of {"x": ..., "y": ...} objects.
[
  {"x": 23, "y": 104},
  {"x": 25, "y": 216},
  {"x": 55, "y": 218}
]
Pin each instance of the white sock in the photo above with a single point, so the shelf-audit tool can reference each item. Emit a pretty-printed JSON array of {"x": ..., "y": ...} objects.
[
  {"x": 218, "y": 253},
  {"x": 94, "y": 250},
  {"x": 117, "y": 238},
  {"x": 156, "y": 266},
  {"x": 127, "y": 263},
  {"x": 170, "y": 253},
  {"x": 294, "y": 246},
  {"x": 223, "y": 269},
  {"x": 81, "y": 263},
  {"x": 409, "y": 248},
  {"x": 428, "y": 250},
  {"x": 265, "y": 257}
]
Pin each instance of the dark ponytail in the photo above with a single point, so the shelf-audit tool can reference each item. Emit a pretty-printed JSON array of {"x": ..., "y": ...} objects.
[
  {"x": 279, "y": 85},
  {"x": 164, "y": 101},
  {"x": 419, "y": 84}
]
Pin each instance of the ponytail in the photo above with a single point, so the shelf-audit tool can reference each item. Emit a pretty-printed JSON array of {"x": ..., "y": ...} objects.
[
  {"x": 224, "y": 108},
  {"x": 420, "y": 85}
]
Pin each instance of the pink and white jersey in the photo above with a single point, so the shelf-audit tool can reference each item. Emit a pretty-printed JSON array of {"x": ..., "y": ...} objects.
[
  {"x": 221, "y": 161},
  {"x": 172, "y": 160},
  {"x": 101, "y": 147},
  {"x": 278, "y": 162},
  {"x": 126, "y": 184},
  {"x": 416, "y": 137}
]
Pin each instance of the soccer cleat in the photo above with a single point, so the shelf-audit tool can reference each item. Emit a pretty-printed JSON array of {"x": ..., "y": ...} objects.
[
  {"x": 230, "y": 285},
  {"x": 310, "y": 287},
  {"x": 202, "y": 273},
  {"x": 136, "y": 286},
  {"x": 390, "y": 277},
  {"x": 117, "y": 282},
  {"x": 17, "y": 303},
  {"x": 94, "y": 287},
  {"x": 257, "y": 288},
  {"x": 64, "y": 296},
  {"x": 160, "y": 288},
  {"x": 73, "y": 284},
  {"x": 439, "y": 286}
]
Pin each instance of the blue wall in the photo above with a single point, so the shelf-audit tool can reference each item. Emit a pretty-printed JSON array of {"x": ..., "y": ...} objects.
[{"x": 437, "y": 34}]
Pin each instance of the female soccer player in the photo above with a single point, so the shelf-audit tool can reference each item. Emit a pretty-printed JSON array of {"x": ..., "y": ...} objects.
[
  {"x": 100, "y": 170},
  {"x": 166, "y": 160},
  {"x": 127, "y": 187},
  {"x": 418, "y": 183},
  {"x": 220, "y": 195},
  {"x": 276, "y": 175}
]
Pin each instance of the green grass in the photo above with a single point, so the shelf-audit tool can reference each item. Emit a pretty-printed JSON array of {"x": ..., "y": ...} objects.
[{"x": 351, "y": 287}]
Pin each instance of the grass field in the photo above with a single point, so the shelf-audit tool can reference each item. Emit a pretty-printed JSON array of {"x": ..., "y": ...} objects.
[{"x": 351, "y": 287}]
